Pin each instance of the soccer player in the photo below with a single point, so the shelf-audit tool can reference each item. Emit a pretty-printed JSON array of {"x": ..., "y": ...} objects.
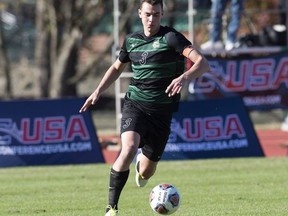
[{"x": 157, "y": 57}]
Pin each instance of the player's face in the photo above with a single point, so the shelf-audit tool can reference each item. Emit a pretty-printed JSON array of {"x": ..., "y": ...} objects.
[{"x": 151, "y": 18}]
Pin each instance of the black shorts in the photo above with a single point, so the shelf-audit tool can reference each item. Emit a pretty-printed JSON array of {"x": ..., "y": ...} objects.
[{"x": 153, "y": 128}]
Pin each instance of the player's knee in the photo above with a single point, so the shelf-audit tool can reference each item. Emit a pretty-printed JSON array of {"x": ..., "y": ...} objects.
[{"x": 130, "y": 151}]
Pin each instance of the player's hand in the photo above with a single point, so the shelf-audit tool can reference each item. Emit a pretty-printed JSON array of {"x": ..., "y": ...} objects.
[
  {"x": 175, "y": 86},
  {"x": 91, "y": 100}
]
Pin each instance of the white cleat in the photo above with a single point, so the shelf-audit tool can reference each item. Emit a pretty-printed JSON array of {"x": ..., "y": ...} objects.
[{"x": 112, "y": 211}]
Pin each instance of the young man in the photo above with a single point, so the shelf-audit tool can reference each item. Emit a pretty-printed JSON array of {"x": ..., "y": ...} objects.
[{"x": 157, "y": 57}]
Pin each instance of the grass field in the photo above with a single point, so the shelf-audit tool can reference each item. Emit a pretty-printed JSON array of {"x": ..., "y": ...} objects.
[{"x": 254, "y": 186}]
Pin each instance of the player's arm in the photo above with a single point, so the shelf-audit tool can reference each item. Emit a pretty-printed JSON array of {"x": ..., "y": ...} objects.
[
  {"x": 200, "y": 65},
  {"x": 110, "y": 76}
]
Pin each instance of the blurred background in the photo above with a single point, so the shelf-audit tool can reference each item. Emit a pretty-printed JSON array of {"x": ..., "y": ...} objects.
[{"x": 57, "y": 49}]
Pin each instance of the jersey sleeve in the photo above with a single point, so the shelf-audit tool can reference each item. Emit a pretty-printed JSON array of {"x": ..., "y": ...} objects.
[
  {"x": 124, "y": 55},
  {"x": 177, "y": 41}
]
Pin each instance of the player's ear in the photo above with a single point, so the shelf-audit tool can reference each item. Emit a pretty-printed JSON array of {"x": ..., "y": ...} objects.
[{"x": 139, "y": 13}]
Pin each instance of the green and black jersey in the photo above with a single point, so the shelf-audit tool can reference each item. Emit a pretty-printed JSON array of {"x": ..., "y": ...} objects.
[{"x": 155, "y": 62}]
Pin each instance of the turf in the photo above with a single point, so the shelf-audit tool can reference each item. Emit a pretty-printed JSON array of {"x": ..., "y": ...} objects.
[{"x": 245, "y": 186}]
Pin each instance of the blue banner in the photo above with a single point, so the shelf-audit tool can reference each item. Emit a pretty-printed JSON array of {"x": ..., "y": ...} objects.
[
  {"x": 47, "y": 132},
  {"x": 262, "y": 82},
  {"x": 217, "y": 128}
]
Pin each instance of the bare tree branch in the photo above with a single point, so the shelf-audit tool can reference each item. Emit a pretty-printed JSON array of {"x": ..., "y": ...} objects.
[
  {"x": 84, "y": 71},
  {"x": 4, "y": 61}
]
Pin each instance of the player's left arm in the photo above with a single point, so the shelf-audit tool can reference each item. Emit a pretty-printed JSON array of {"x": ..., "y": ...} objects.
[{"x": 200, "y": 65}]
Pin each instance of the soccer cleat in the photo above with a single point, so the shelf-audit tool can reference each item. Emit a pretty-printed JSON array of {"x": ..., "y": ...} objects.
[
  {"x": 111, "y": 211},
  {"x": 140, "y": 182}
]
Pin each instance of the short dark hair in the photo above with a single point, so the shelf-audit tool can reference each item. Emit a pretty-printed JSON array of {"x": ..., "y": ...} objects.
[{"x": 152, "y": 2}]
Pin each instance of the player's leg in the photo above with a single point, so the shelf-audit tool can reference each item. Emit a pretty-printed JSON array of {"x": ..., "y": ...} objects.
[
  {"x": 120, "y": 171},
  {"x": 130, "y": 142},
  {"x": 130, "y": 139},
  {"x": 146, "y": 167},
  {"x": 155, "y": 141}
]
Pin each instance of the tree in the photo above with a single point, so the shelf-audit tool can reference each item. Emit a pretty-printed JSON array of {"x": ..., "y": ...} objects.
[
  {"x": 62, "y": 26},
  {"x": 4, "y": 60}
]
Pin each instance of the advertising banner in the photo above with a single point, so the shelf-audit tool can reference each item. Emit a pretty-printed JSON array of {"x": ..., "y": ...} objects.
[
  {"x": 47, "y": 132},
  {"x": 217, "y": 128},
  {"x": 262, "y": 82}
]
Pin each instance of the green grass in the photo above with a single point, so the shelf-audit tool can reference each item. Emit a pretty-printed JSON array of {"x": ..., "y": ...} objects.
[{"x": 254, "y": 186}]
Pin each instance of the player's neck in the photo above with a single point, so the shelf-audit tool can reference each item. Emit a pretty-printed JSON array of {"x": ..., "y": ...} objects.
[{"x": 151, "y": 33}]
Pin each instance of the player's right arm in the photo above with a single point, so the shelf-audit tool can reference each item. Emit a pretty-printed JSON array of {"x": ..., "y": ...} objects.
[{"x": 110, "y": 76}]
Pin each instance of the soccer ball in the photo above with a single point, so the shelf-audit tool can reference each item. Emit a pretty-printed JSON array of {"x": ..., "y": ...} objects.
[{"x": 164, "y": 199}]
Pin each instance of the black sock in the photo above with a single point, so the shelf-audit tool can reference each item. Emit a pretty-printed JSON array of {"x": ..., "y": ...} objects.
[{"x": 117, "y": 183}]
